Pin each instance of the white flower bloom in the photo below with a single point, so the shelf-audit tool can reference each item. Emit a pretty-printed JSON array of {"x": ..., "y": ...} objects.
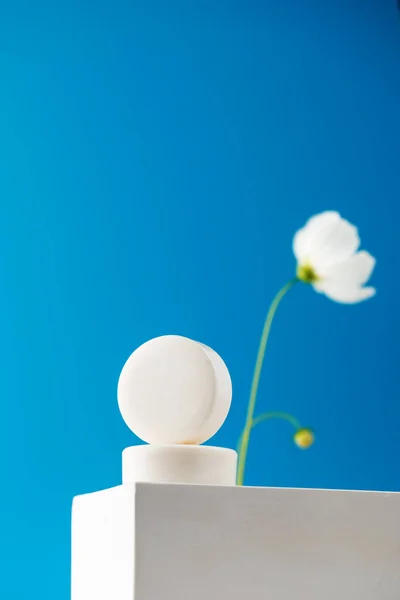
[{"x": 326, "y": 249}]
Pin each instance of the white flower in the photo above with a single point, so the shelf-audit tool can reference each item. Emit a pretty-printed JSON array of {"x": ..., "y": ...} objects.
[{"x": 326, "y": 249}]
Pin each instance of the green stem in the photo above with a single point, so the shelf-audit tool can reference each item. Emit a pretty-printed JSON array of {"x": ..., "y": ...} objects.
[
  {"x": 272, "y": 415},
  {"x": 277, "y": 415},
  {"x": 245, "y": 436}
]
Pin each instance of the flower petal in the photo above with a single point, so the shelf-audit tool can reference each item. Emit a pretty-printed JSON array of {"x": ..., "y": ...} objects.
[
  {"x": 305, "y": 238},
  {"x": 326, "y": 240},
  {"x": 344, "y": 293},
  {"x": 354, "y": 271}
]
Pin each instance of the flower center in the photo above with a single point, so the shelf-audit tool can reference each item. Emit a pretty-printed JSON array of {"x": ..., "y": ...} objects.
[{"x": 307, "y": 274}]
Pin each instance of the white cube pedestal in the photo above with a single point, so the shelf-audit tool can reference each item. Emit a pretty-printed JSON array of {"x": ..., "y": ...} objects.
[{"x": 146, "y": 541}]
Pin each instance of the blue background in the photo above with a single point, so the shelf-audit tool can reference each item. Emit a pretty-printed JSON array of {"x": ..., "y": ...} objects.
[{"x": 156, "y": 160}]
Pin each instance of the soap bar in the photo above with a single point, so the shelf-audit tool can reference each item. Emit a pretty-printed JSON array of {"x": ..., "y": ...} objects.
[{"x": 174, "y": 390}]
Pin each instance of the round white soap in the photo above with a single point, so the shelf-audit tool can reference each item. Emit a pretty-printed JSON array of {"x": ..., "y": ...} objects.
[{"x": 173, "y": 390}]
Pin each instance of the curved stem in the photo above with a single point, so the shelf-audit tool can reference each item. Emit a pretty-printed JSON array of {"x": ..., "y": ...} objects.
[
  {"x": 272, "y": 415},
  {"x": 277, "y": 415},
  {"x": 245, "y": 437}
]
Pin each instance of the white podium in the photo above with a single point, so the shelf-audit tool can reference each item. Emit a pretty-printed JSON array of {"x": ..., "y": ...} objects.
[
  {"x": 177, "y": 542},
  {"x": 179, "y": 529}
]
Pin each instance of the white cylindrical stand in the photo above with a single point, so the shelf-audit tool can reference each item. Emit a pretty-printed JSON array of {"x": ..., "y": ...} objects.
[{"x": 205, "y": 465}]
